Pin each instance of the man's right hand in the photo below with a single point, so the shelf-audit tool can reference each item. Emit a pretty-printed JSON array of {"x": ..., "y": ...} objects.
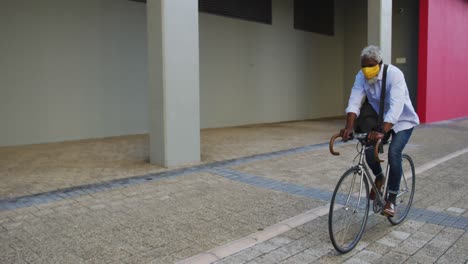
[{"x": 346, "y": 133}]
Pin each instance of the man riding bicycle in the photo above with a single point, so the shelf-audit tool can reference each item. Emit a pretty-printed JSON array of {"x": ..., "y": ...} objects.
[{"x": 399, "y": 118}]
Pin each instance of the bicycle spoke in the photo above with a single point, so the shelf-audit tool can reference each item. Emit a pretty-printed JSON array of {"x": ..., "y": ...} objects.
[{"x": 348, "y": 210}]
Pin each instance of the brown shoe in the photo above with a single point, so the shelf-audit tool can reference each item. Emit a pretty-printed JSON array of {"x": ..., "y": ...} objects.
[
  {"x": 389, "y": 209},
  {"x": 379, "y": 185}
]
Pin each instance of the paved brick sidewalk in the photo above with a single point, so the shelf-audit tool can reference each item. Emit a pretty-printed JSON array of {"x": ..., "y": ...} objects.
[
  {"x": 167, "y": 216},
  {"x": 31, "y": 169},
  {"x": 423, "y": 238}
]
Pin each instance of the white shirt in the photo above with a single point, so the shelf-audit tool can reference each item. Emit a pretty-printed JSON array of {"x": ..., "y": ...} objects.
[{"x": 398, "y": 109}]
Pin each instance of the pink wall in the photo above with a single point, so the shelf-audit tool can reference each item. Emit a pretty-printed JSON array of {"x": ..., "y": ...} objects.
[{"x": 443, "y": 60}]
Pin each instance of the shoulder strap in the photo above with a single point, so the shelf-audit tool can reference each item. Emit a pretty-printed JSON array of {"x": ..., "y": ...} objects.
[{"x": 382, "y": 96}]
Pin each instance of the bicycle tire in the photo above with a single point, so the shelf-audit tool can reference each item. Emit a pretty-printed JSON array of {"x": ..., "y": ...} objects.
[
  {"x": 406, "y": 194},
  {"x": 345, "y": 232}
]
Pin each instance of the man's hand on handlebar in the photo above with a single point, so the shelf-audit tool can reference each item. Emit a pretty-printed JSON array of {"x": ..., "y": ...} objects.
[
  {"x": 346, "y": 133},
  {"x": 374, "y": 136}
]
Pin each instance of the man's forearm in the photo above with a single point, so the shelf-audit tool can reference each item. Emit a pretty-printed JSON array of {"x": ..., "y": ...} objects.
[
  {"x": 387, "y": 127},
  {"x": 350, "y": 119}
]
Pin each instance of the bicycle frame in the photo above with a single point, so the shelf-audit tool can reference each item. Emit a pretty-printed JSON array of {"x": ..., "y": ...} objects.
[
  {"x": 364, "y": 171},
  {"x": 363, "y": 168}
]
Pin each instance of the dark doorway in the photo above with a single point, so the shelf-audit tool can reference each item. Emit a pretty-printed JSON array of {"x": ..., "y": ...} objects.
[{"x": 405, "y": 28}]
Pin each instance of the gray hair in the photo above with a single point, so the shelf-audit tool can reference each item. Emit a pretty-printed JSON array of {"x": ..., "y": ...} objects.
[{"x": 372, "y": 52}]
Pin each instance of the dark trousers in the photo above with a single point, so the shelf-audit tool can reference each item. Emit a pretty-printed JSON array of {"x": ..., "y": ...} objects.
[{"x": 395, "y": 151}]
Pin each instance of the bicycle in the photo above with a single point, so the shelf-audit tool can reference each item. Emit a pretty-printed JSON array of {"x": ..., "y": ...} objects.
[{"x": 349, "y": 206}]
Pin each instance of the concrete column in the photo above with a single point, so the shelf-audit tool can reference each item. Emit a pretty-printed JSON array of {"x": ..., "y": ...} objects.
[
  {"x": 379, "y": 26},
  {"x": 173, "y": 65}
]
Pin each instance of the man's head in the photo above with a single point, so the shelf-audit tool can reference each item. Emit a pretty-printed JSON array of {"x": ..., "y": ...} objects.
[
  {"x": 372, "y": 52},
  {"x": 371, "y": 61}
]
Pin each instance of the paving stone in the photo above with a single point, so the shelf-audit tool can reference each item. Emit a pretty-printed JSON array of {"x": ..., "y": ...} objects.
[
  {"x": 280, "y": 240},
  {"x": 410, "y": 226},
  {"x": 44, "y": 212},
  {"x": 361, "y": 245},
  {"x": 421, "y": 258},
  {"x": 11, "y": 225},
  {"x": 102, "y": 261},
  {"x": 431, "y": 229},
  {"x": 454, "y": 255},
  {"x": 299, "y": 258},
  {"x": 21, "y": 217},
  {"x": 60, "y": 257},
  {"x": 252, "y": 262},
  {"x": 265, "y": 247},
  {"x": 389, "y": 241},
  {"x": 399, "y": 235},
  {"x": 248, "y": 254},
  {"x": 97, "y": 206},
  {"x": 26, "y": 210},
  {"x": 9, "y": 255},
  {"x": 295, "y": 234},
  {"x": 378, "y": 248},
  {"x": 393, "y": 257},
  {"x": 335, "y": 257},
  {"x": 137, "y": 259},
  {"x": 5, "y": 219},
  {"x": 454, "y": 231},
  {"x": 456, "y": 210},
  {"x": 463, "y": 241},
  {"x": 356, "y": 261},
  {"x": 376, "y": 232},
  {"x": 272, "y": 257},
  {"x": 320, "y": 250},
  {"x": 449, "y": 237},
  {"x": 423, "y": 236},
  {"x": 298, "y": 246},
  {"x": 367, "y": 256},
  {"x": 410, "y": 246},
  {"x": 431, "y": 251},
  {"x": 435, "y": 209},
  {"x": 230, "y": 260},
  {"x": 162, "y": 254},
  {"x": 442, "y": 243}
]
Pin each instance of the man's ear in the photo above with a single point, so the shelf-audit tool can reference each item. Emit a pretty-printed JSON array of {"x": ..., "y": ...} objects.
[{"x": 380, "y": 63}]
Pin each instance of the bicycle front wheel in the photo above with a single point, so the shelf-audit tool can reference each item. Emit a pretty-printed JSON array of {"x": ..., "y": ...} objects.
[
  {"x": 349, "y": 209},
  {"x": 406, "y": 191}
]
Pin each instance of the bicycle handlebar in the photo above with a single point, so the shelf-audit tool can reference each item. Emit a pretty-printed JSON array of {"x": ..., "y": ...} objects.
[
  {"x": 332, "y": 142},
  {"x": 359, "y": 136}
]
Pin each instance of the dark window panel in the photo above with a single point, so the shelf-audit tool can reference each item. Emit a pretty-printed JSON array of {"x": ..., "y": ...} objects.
[
  {"x": 256, "y": 10},
  {"x": 251, "y": 10},
  {"x": 315, "y": 16}
]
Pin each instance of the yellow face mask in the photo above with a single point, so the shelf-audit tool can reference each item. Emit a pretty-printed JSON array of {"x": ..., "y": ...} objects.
[{"x": 371, "y": 72}]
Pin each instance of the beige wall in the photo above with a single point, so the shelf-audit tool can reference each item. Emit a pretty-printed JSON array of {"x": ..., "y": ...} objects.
[
  {"x": 74, "y": 69},
  {"x": 253, "y": 73},
  {"x": 355, "y": 28},
  {"x": 71, "y": 69}
]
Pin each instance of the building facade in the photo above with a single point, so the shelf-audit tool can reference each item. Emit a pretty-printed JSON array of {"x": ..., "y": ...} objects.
[{"x": 97, "y": 68}]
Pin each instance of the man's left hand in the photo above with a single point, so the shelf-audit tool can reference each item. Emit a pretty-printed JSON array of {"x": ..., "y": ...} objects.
[{"x": 373, "y": 136}]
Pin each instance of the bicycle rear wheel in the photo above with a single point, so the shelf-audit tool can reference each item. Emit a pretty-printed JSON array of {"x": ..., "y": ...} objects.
[
  {"x": 406, "y": 191},
  {"x": 349, "y": 209}
]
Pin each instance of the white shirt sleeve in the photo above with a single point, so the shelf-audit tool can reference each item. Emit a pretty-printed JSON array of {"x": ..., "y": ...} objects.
[
  {"x": 357, "y": 94},
  {"x": 396, "y": 94}
]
